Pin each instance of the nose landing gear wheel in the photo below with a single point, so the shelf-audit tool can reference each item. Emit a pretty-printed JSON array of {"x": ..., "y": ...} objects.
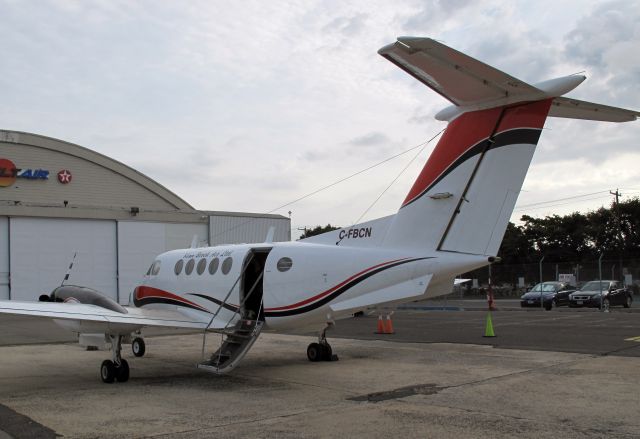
[{"x": 138, "y": 347}]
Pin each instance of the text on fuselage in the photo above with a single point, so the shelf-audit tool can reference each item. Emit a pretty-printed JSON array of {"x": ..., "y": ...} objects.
[{"x": 356, "y": 233}]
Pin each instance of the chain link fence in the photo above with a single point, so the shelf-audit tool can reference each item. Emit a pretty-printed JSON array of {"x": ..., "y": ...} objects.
[{"x": 513, "y": 280}]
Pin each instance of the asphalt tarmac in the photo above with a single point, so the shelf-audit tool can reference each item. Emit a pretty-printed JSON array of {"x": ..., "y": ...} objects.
[{"x": 566, "y": 372}]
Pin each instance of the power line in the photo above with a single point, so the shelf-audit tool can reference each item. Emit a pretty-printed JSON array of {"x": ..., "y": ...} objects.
[
  {"x": 562, "y": 204},
  {"x": 310, "y": 194},
  {"x": 397, "y": 177},
  {"x": 561, "y": 199}
]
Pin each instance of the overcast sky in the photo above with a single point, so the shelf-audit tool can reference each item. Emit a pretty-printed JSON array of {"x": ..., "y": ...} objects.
[{"x": 248, "y": 105}]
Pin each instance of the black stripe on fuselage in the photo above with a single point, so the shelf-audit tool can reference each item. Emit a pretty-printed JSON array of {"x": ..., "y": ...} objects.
[
  {"x": 527, "y": 136},
  {"x": 216, "y": 301},
  {"x": 338, "y": 292}
]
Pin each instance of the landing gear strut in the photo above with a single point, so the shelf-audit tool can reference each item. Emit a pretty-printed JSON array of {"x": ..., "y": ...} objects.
[
  {"x": 321, "y": 351},
  {"x": 117, "y": 368}
]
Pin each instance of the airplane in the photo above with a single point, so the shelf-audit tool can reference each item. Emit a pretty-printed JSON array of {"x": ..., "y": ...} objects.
[{"x": 452, "y": 221}]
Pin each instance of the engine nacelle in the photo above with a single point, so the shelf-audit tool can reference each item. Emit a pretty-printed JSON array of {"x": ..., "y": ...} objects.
[{"x": 85, "y": 295}]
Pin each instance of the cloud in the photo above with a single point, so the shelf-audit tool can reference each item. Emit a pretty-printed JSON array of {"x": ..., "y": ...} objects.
[
  {"x": 370, "y": 139},
  {"x": 244, "y": 106}
]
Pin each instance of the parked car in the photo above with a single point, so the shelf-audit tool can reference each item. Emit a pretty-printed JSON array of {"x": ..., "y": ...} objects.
[
  {"x": 553, "y": 294},
  {"x": 613, "y": 291}
]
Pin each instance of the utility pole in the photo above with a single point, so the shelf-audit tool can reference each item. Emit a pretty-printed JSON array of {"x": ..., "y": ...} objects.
[{"x": 617, "y": 194}]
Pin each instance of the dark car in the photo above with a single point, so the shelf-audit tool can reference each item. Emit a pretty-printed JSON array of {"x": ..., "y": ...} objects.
[
  {"x": 553, "y": 294},
  {"x": 590, "y": 294}
]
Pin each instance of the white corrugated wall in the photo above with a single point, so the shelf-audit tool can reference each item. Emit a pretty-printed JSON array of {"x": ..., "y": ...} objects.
[{"x": 243, "y": 229}]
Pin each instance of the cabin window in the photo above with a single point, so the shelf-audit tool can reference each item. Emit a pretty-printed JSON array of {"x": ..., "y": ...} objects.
[
  {"x": 155, "y": 268},
  {"x": 202, "y": 264},
  {"x": 284, "y": 264},
  {"x": 178, "y": 268},
  {"x": 226, "y": 265},
  {"x": 189, "y": 267},
  {"x": 213, "y": 265}
]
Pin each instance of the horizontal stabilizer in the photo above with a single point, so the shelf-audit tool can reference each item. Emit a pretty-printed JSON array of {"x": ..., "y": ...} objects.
[
  {"x": 403, "y": 292},
  {"x": 461, "y": 79},
  {"x": 576, "y": 109}
]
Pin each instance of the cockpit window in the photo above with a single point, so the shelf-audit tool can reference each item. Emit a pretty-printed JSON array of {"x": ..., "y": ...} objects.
[
  {"x": 155, "y": 268},
  {"x": 150, "y": 268},
  {"x": 202, "y": 264},
  {"x": 189, "y": 267},
  {"x": 178, "y": 268},
  {"x": 226, "y": 265}
]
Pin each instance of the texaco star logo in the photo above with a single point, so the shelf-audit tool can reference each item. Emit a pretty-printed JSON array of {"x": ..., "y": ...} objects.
[{"x": 64, "y": 176}]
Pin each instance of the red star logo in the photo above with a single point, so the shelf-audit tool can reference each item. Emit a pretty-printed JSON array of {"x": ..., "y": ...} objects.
[{"x": 64, "y": 176}]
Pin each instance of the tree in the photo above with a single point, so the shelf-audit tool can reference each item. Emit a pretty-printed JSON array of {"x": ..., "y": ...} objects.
[{"x": 318, "y": 230}]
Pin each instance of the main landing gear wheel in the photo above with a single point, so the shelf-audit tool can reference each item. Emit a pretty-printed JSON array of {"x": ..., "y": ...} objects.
[
  {"x": 108, "y": 371},
  {"x": 116, "y": 368},
  {"x": 314, "y": 352},
  {"x": 122, "y": 371},
  {"x": 138, "y": 347},
  {"x": 321, "y": 351}
]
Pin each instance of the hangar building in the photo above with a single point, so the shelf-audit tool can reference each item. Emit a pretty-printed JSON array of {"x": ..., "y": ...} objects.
[{"x": 58, "y": 199}]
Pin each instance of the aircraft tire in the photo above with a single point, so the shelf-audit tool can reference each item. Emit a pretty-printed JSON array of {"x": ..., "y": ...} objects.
[
  {"x": 122, "y": 371},
  {"x": 138, "y": 347},
  {"x": 327, "y": 352},
  {"x": 108, "y": 371},
  {"x": 314, "y": 352}
]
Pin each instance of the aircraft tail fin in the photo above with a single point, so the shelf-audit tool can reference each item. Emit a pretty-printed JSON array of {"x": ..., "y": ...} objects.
[{"x": 465, "y": 195}]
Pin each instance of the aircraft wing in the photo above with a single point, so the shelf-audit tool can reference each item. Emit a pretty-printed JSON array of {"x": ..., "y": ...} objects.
[
  {"x": 463, "y": 80},
  {"x": 399, "y": 293},
  {"x": 99, "y": 319}
]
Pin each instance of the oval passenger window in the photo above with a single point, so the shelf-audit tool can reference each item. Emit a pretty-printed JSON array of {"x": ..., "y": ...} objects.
[
  {"x": 226, "y": 265},
  {"x": 202, "y": 264},
  {"x": 189, "y": 268},
  {"x": 284, "y": 264},
  {"x": 213, "y": 265},
  {"x": 178, "y": 267}
]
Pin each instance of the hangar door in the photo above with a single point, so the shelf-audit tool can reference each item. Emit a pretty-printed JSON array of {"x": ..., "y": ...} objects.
[
  {"x": 140, "y": 242},
  {"x": 42, "y": 248}
]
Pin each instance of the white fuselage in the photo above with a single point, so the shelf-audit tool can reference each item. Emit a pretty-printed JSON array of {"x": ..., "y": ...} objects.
[{"x": 318, "y": 275}]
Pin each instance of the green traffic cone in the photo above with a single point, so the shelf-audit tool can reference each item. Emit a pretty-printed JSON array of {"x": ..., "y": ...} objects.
[{"x": 488, "y": 330}]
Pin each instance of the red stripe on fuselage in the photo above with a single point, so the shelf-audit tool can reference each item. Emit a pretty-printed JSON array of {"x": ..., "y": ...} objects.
[
  {"x": 143, "y": 292},
  {"x": 331, "y": 290}
]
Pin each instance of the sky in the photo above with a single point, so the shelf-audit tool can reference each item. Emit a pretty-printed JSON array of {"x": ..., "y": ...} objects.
[{"x": 250, "y": 105}]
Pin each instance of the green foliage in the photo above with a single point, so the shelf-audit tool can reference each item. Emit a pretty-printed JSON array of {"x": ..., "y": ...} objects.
[
  {"x": 575, "y": 237},
  {"x": 317, "y": 231}
]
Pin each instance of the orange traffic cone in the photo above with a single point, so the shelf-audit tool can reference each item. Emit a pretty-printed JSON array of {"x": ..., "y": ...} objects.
[
  {"x": 388, "y": 329},
  {"x": 380, "y": 329}
]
